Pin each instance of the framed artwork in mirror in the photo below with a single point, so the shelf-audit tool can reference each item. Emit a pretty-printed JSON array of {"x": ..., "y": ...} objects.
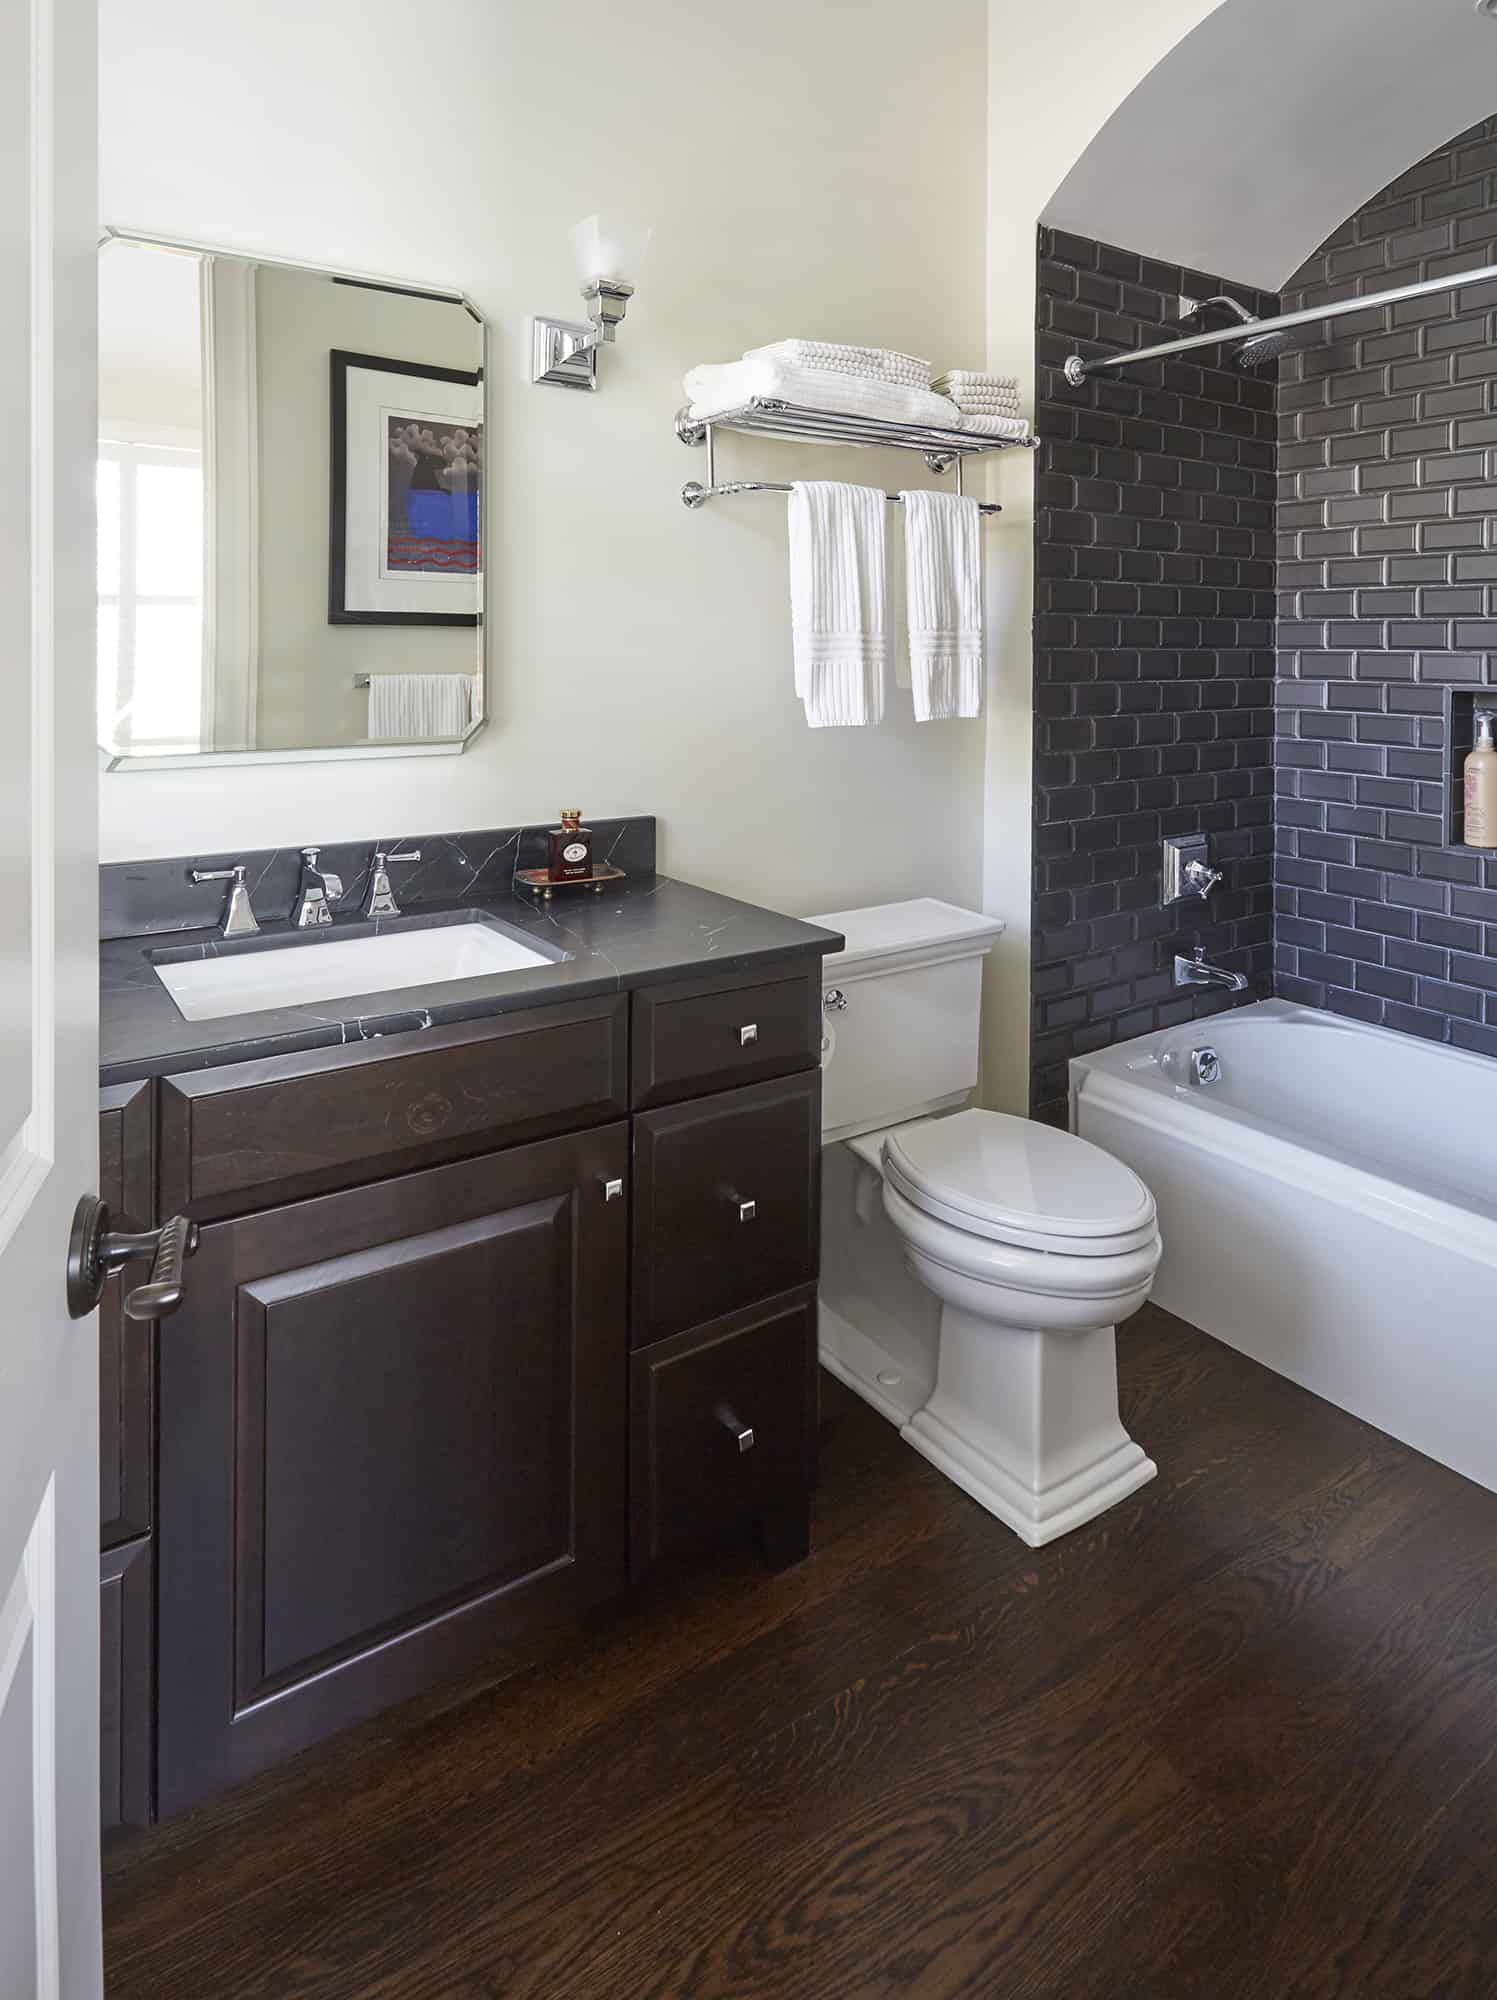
[{"x": 404, "y": 544}]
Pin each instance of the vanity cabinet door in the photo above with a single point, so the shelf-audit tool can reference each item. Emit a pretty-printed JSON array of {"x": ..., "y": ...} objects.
[
  {"x": 126, "y": 1173},
  {"x": 392, "y": 1439}
]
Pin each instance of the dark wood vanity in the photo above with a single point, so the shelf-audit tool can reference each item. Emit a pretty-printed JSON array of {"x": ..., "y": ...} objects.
[{"x": 486, "y": 1320}]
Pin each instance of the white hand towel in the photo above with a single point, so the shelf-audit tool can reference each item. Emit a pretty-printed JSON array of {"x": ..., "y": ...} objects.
[
  {"x": 838, "y": 595},
  {"x": 419, "y": 705},
  {"x": 716, "y": 388},
  {"x": 943, "y": 599}
]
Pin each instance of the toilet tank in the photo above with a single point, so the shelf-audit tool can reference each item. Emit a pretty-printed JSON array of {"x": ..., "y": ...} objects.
[{"x": 902, "y": 1041}]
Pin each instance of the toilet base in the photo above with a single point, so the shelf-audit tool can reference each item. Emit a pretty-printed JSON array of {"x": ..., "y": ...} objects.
[
  {"x": 896, "y": 1386},
  {"x": 1026, "y": 1422}
]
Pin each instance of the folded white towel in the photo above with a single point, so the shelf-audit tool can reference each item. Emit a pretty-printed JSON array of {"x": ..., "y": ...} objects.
[
  {"x": 974, "y": 406},
  {"x": 998, "y": 427},
  {"x": 974, "y": 378},
  {"x": 943, "y": 601},
  {"x": 882, "y": 363},
  {"x": 838, "y": 594},
  {"x": 419, "y": 705},
  {"x": 977, "y": 399},
  {"x": 712, "y": 389}
]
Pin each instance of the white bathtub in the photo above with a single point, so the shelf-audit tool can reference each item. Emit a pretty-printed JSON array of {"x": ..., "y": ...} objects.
[{"x": 1329, "y": 1207}]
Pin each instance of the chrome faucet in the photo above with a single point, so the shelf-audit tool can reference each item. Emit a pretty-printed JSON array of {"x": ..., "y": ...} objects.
[
  {"x": 1194, "y": 971},
  {"x": 239, "y": 918},
  {"x": 380, "y": 901},
  {"x": 319, "y": 891}
]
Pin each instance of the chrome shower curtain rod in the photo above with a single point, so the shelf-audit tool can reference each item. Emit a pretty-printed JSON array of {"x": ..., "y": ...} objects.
[{"x": 1077, "y": 369}]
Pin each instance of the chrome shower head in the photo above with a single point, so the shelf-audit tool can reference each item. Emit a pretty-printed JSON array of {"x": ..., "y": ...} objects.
[
  {"x": 1265, "y": 349},
  {"x": 1256, "y": 353}
]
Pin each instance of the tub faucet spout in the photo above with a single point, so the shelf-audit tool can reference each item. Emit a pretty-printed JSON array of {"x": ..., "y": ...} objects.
[{"x": 1194, "y": 971}]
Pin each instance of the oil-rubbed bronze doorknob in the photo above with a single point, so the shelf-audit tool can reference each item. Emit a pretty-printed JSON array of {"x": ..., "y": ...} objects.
[{"x": 96, "y": 1252}]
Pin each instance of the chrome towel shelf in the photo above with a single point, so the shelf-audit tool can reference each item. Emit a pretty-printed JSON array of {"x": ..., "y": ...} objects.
[
  {"x": 762, "y": 417},
  {"x": 695, "y": 494}
]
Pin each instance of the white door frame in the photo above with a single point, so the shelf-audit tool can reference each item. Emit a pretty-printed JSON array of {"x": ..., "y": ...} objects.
[{"x": 49, "y": 1542}]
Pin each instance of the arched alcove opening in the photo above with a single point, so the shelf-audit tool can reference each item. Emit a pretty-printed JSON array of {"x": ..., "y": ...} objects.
[{"x": 1266, "y": 601}]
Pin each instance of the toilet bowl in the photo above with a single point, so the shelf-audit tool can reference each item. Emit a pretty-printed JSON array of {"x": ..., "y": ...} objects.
[
  {"x": 975, "y": 1266},
  {"x": 1036, "y": 1244}
]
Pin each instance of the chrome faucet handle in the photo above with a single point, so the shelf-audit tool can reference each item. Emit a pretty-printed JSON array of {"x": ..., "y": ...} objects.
[
  {"x": 380, "y": 901},
  {"x": 239, "y": 917},
  {"x": 318, "y": 892},
  {"x": 1201, "y": 878}
]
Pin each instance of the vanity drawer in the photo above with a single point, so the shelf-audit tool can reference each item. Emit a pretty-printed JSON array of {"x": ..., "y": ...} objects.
[
  {"x": 709, "y": 1034},
  {"x": 726, "y": 1203},
  {"x": 241, "y": 1137},
  {"x": 723, "y": 1434}
]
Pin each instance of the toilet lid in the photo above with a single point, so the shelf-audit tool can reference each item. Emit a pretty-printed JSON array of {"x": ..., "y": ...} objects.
[{"x": 1022, "y": 1183}]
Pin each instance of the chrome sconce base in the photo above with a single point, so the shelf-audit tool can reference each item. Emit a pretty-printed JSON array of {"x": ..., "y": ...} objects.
[{"x": 564, "y": 352}]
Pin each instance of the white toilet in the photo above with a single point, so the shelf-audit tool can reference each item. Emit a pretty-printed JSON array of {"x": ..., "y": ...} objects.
[{"x": 974, "y": 1265}]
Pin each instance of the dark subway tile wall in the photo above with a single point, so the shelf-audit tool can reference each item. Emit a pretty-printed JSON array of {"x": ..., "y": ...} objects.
[
  {"x": 1154, "y": 655},
  {"x": 1387, "y": 561}
]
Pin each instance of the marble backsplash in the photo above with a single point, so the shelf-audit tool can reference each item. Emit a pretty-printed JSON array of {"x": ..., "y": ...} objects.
[{"x": 145, "y": 898}]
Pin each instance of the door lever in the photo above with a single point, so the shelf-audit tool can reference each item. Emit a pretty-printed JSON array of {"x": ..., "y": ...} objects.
[{"x": 96, "y": 1252}]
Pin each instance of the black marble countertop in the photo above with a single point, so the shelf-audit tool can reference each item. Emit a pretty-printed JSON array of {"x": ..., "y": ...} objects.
[{"x": 642, "y": 931}]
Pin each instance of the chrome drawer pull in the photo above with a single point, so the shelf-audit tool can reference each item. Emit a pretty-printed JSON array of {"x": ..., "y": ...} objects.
[
  {"x": 742, "y": 1433},
  {"x": 747, "y": 1210},
  {"x": 748, "y": 1033},
  {"x": 613, "y": 1190}
]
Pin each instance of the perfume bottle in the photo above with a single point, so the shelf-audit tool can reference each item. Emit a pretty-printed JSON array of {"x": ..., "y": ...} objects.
[{"x": 569, "y": 849}]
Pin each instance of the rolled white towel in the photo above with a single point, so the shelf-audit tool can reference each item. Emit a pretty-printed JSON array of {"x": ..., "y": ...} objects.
[{"x": 714, "y": 389}]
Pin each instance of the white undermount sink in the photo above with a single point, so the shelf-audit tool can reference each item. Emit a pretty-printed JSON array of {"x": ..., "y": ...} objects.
[{"x": 307, "y": 969}]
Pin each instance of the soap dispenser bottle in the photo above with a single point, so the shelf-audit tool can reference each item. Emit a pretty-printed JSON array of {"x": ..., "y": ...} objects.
[
  {"x": 569, "y": 848},
  {"x": 1480, "y": 829}
]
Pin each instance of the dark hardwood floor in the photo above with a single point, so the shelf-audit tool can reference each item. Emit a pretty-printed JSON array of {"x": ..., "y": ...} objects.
[{"x": 1238, "y": 1738}]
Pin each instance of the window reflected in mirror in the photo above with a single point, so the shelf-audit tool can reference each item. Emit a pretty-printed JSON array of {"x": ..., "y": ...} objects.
[{"x": 290, "y": 509}]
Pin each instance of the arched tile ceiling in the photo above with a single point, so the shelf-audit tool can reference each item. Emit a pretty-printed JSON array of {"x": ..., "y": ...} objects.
[{"x": 1273, "y": 121}]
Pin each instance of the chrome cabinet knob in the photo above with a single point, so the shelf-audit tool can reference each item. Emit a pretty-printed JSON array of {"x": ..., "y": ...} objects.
[
  {"x": 834, "y": 1000},
  {"x": 747, "y": 1210},
  {"x": 741, "y": 1433},
  {"x": 613, "y": 1190},
  {"x": 749, "y": 1032}
]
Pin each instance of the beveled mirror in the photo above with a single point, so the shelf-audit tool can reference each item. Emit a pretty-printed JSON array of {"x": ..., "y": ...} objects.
[{"x": 292, "y": 505}]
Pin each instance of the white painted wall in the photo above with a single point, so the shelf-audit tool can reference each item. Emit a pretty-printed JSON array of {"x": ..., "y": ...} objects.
[{"x": 809, "y": 170}]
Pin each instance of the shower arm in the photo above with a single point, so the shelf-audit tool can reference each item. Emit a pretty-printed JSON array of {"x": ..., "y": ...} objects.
[{"x": 1077, "y": 369}]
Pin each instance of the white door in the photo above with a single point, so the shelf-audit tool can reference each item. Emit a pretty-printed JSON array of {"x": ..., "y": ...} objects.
[{"x": 49, "y": 1518}]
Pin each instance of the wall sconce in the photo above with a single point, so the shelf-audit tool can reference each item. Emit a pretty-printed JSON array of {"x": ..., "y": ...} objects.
[{"x": 565, "y": 351}]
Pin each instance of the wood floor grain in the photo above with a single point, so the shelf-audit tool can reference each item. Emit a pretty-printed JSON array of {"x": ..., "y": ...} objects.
[{"x": 1236, "y": 1740}]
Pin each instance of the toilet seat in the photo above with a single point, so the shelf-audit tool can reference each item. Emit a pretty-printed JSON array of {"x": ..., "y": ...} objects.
[{"x": 1016, "y": 1182}]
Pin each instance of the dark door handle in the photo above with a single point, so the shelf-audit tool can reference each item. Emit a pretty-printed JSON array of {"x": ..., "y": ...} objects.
[{"x": 96, "y": 1252}]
